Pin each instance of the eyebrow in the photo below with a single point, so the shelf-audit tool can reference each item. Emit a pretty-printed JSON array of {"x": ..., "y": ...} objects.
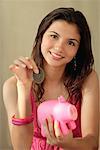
[
  {"x": 75, "y": 40},
  {"x": 55, "y": 33},
  {"x": 69, "y": 38}
]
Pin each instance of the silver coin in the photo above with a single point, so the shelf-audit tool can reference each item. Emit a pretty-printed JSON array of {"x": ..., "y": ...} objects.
[{"x": 38, "y": 78}]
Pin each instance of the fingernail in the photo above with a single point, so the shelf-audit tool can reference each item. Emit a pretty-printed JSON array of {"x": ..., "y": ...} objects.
[
  {"x": 31, "y": 67},
  {"x": 36, "y": 70},
  {"x": 27, "y": 58},
  {"x": 10, "y": 66},
  {"x": 23, "y": 65}
]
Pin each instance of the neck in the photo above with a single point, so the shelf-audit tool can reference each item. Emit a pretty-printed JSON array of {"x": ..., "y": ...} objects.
[
  {"x": 54, "y": 75},
  {"x": 53, "y": 85}
]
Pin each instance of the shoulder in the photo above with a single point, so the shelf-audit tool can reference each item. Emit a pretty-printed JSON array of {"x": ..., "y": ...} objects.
[
  {"x": 10, "y": 94},
  {"x": 9, "y": 85},
  {"x": 10, "y": 80},
  {"x": 93, "y": 76},
  {"x": 90, "y": 93},
  {"x": 91, "y": 82}
]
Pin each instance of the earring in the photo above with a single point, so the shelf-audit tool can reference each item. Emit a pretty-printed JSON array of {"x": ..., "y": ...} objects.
[{"x": 75, "y": 65}]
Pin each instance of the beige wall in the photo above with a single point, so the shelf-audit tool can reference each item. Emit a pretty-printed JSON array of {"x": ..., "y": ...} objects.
[{"x": 19, "y": 20}]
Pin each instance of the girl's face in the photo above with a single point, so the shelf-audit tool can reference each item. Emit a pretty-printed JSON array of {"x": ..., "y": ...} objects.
[{"x": 60, "y": 43}]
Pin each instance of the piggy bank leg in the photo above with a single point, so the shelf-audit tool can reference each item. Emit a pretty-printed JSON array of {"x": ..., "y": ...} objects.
[
  {"x": 64, "y": 128},
  {"x": 72, "y": 125}
]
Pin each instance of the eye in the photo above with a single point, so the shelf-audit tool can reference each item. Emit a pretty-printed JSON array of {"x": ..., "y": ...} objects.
[
  {"x": 71, "y": 43},
  {"x": 54, "y": 36}
]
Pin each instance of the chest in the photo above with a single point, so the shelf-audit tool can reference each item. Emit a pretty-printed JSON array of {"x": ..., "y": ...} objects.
[{"x": 53, "y": 92}]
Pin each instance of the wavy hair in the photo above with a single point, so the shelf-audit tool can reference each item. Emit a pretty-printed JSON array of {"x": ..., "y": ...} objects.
[{"x": 73, "y": 77}]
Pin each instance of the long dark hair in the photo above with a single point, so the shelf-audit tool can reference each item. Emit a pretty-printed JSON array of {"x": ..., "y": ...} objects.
[{"x": 74, "y": 76}]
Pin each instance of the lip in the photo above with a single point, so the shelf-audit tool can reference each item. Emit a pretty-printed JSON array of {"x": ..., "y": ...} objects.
[{"x": 56, "y": 55}]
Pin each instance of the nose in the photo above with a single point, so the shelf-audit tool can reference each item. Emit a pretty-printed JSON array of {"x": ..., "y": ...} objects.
[
  {"x": 59, "y": 46},
  {"x": 56, "y": 48}
]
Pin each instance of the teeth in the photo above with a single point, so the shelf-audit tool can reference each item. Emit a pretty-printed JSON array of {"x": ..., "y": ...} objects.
[{"x": 56, "y": 55}]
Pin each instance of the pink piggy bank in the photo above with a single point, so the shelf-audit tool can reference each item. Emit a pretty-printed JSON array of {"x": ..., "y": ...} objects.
[{"x": 61, "y": 111}]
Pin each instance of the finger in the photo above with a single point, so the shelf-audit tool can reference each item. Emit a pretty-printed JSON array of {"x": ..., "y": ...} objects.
[
  {"x": 30, "y": 63},
  {"x": 35, "y": 67},
  {"x": 26, "y": 61},
  {"x": 18, "y": 62},
  {"x": 51, "y": 142},
  {"x": 51, "y": 126},
  {"x": 48, "y": 142},
  {"x": 45, "y": 125},
  {"x": 58, "y": 132},
  {"x": 19, "y": 71},
  {"x": 13, "y": 67}
]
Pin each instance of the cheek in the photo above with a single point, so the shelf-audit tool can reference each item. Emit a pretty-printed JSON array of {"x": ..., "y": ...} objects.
[
  {"x": 71, "y": 53},
  {"x": 45, "y": 46}
]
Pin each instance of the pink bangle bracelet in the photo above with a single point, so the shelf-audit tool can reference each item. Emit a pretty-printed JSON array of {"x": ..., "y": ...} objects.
[{"x": 22, "y": 121}]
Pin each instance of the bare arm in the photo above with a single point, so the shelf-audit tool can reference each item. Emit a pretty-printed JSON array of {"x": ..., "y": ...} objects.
[
  {"x": 90, "y": 109},
  {"x": 21, "y": 136},
  {"x": 89, "y": 115},
  {"x": 16, "y": 94}
]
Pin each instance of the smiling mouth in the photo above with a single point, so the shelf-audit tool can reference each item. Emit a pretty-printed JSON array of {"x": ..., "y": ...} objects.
[{"x": 56, "y": 55}]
